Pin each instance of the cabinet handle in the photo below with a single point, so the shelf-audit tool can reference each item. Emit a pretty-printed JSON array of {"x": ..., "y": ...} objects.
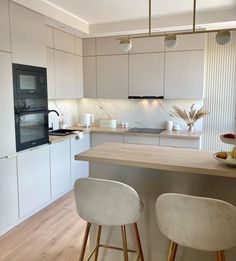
[{"x": 10, "y": 156}]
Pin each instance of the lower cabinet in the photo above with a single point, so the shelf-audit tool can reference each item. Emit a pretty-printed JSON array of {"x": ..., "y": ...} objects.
[
  {"x": 8, "y": 192},
  {"x": 60, "y": 168},
  {"x": 33, "y": 179},
  {"x": 99, "y": 138},
  {"x": 138, "y": 139},
  {"x": 181, "y": 143},
  {"x": 79, "y": 169}
]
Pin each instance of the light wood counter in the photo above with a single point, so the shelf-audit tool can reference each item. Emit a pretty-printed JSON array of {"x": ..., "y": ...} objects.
[{"x": 161, "y": 158}]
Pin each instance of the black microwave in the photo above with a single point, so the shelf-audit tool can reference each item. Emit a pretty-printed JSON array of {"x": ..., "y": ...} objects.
[{"x": 29, "y": 81}]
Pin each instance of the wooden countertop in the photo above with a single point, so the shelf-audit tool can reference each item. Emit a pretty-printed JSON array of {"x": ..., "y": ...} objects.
[
  {"x": 165, "y": 134},
  {"x": 155, "y": 157}
]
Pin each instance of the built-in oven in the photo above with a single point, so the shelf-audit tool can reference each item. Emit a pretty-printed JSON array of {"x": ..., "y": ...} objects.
[{"x": 31, "y": 106}]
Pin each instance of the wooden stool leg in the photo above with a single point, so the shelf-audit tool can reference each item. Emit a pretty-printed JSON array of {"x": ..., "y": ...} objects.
[
  {"x": 98, "y": 242},
  {"x": 135, "y": 226},
  {"x": 221, "y": 255},
  {"x": 124, "y": 240},
  {"x": 172, "y": 251},
  {"x": 86, "y": 234}
]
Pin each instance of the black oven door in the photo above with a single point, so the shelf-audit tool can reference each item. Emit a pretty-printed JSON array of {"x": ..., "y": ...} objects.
[{"x": 31, "y": 129}]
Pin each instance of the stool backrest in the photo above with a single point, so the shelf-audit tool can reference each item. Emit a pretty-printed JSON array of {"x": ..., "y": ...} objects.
[
  {"x": 106, "y": 202},
  {"x": 197, "y": 222}
]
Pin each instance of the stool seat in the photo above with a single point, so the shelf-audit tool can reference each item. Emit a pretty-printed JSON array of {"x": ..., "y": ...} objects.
[
  {"x": 108, "y": 203},
  {"x": 200, "y": 223}
]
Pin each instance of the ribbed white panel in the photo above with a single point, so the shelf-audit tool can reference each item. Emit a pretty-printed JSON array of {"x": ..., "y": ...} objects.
[{"x": 220, "y": 94}]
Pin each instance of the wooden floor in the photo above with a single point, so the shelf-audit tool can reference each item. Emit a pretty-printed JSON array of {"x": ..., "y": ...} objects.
[{"x": 53, "y": 234}]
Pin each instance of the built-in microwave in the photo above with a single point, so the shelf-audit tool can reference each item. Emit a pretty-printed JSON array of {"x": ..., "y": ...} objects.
[
  {"x": 31, "y": 106},
  {"x": 29, "y": 81}
]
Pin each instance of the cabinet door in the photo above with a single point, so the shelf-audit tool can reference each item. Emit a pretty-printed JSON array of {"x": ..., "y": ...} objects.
[
  {"x": 79, "y": 77},
  {"x": 112, "y": 76},
  {"x": 7, "y": 130},
  {"x": 184, "y": 75},
  {"x": 64, "y": 75},
  {"x": 89, "y": 47},
  {"x": 5, "y": 43},
  {"x": 8, "y": 192},
  {"x": 181, "y": 143},
  {"x": 146, "y": 74},
  {"x": 50, "y": 73},
  {"x": 64, "y": 41},
  {"x": 34, "y": 179},
  {"x": 90, "y": 78},
  {"x": 60, "y": 167},
  {"x": 49, "y": 36},
  {"x": 79, "y": 168},
  {"x": 100, "y": 138},
  {"x": 28, "y": 36},
  {"x": 138, "y": 139},
  {"x": 78, "y": 46}
]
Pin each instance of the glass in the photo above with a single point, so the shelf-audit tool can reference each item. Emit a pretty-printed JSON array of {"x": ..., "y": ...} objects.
[
  {"x": 28, "y": 82},
  {"x": 32, "y": 127}
]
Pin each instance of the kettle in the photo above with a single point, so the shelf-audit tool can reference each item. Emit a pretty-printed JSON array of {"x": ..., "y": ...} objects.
[{"x": 87, "y": 119}]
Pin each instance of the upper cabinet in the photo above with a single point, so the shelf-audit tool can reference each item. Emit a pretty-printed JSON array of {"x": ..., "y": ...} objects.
[
  {"x": 79, "y": 85},
  {"x": 65, "y": 81},
  {"x": 28, "y": 36},
  {"x": 189, "y": 42},
  {"x": 148, "y": 45},
  {"x": 5, "y": 42},
  {"x": 64, "y": 42},
  {"x": 107, "y": 46},
  {"x": 78, "y": 46},
  {"x": 49, "y": 37},
  {"x": 7, "y": 130},
  {"x": 90, "y": 78},
  {"x": 184, "y": 75},
  {"x": 51, "y": 74},
  {"x": 112, "y": 76},
  {"x": 146, "y": 74},
  {"x": 89, "y": 47}
]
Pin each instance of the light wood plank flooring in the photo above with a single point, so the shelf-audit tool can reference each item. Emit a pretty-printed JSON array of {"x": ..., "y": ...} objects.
[{"x": 55, "y": 233}]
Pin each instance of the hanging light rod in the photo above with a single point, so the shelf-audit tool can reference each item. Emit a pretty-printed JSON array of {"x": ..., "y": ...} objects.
[{"x": 125, "y": 40}]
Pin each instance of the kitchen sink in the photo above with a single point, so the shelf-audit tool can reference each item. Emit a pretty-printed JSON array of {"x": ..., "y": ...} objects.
[{"x": 62, "y": 132}]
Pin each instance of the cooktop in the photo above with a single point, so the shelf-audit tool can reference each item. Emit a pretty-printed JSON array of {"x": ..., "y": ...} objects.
[{"x": 146, "y": 130}]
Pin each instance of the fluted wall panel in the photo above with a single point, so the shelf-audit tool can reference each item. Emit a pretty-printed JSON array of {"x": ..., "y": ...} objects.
[{"x": 220, "y": 92}]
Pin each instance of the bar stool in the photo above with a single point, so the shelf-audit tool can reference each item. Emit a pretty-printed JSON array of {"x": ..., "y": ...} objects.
[
  {"x": 200, "y": 223},
  {"x": 108, "y": 203}
]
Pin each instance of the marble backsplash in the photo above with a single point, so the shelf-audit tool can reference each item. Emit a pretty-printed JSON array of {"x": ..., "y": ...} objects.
[{"x": 137, "y": 113}]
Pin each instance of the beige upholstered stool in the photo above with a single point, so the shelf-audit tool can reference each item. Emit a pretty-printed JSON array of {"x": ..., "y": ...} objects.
[
  {"x": 199, "y": 223},
  {"x": 108, "y": 203}
]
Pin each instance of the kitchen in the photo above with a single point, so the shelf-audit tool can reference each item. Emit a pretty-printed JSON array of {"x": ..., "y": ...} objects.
[{"x": 102, "y": 93}]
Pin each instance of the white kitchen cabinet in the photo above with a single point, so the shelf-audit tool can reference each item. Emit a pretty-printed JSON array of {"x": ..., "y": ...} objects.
[
  {"x": 148, "y": 45},
  {"x": 89, "y": 47},
  {"x": 33, "y": 179},
  {"x": 5, "y": 42},
  {"x": 78, "y": 46},
  {"x": 65, "y": 78},
  {"x": 108, "y": 46},
  {"x": 188, "y": 42},
  {"x": 146, "y": 74},
  {"x": 79, "y": 168},
  {"x": 28, "y": 36},
  {"x": 79, "y": 92},
  {"x": 7, "y": 130},
  {"x": 60, "y": 168},
  {"x": 90, "y": 77},
  {"x": 112, "y": 76},
  {"x": 51, "y": 74},
  {"x": 141, "y": 139},
  {"x": 49, "y": 37},
  {"x": 99, "y": 138},
  {"x": 181, "y": 143},
  {"x": 8, "y": 193},
  {"x": 64, "y": 41},
  {"x": 184, "y": 75}
]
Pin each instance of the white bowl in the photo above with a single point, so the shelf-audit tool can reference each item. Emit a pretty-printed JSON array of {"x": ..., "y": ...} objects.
[
  {"x": 228, "y": 141},
  {"x": 229, "y": 161}
]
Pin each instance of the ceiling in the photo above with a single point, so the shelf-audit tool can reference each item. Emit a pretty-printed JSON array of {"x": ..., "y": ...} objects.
[{"x": 107, "y": 11}]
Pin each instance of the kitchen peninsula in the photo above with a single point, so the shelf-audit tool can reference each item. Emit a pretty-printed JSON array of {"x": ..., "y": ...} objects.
[{"x": 151, "y": 171}]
